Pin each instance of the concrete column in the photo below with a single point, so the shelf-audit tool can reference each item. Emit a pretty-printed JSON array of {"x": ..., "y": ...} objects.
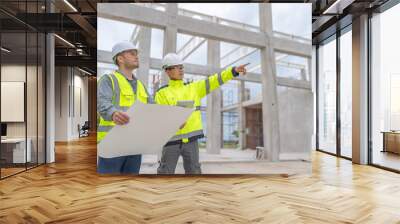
[
  {"x": 50, "y": 92},
  {"x": 269, "y": 89},
  {"x": 242, "y": 116},
  {"x": 214, "y": 102},
  {"x": 170, "y": 35},
  {"x": 360, "y": 90},
  {"x": 142, "y": 72}
]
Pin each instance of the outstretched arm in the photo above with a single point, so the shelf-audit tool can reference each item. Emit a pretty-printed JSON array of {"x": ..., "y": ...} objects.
[{"x": 213, "y": 82}]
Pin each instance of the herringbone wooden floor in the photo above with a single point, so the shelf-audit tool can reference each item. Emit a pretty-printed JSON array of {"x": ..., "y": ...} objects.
[{"x": 70, "y": 191}]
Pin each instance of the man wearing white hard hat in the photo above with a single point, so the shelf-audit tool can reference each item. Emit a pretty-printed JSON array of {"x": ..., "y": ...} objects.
[
  {"x": 177, "y": 93},
  {"x": 116, "y": 92}
]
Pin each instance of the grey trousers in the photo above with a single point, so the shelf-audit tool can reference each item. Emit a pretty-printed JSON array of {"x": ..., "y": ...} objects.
[{"x": 170, "y": 155}]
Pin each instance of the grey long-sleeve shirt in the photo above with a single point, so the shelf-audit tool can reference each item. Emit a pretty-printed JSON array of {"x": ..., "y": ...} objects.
[{"x": 105, "y": 106}]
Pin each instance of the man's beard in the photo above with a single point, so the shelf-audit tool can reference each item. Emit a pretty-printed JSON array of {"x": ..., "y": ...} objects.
[{"x": 132, "y": 66}]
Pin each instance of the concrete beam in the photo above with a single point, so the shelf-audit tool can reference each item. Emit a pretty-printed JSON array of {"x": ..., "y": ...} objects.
[
  {"x": 301, "y": 84},
  {"x": 291, "y": 65},
  {"x": 252, "y": 102},
  {"x": 291, "y": 47},
  {"x": 232, "y": 107},
  {"x": 247, "y": 103},
  {"x": 135, "y": 34},
  {"x": 219, "y": 32},
  {"x": 130, "y": 13},
  {"x": 236, "y": 55},
  {"x": 205, "y": 70},
  {"x": 190, "y": 46}
]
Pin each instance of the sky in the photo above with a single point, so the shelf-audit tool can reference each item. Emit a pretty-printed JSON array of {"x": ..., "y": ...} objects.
[
  {"x": 240, "y": 12},
  {"x": 292, "y": 18}
]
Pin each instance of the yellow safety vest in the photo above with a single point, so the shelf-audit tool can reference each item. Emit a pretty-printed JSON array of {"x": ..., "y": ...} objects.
[
  {"x": 176, "y": 92},
  {"x": 123, "y": 98}
]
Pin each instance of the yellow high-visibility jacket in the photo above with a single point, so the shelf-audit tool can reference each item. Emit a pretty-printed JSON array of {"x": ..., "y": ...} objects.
[
  {"x": 177, "y": 91},
  {"x": 123, "y": 98}
]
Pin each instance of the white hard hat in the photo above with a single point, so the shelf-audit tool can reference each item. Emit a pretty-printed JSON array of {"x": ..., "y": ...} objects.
[
  {"x": 121, "y": 47},
  {"x": 171, "y": 59}
]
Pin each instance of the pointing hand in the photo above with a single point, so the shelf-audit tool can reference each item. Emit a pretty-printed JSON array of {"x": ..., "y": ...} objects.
[{"x": 241, "y": 69}]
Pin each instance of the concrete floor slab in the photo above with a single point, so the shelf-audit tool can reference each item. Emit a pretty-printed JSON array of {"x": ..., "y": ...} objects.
[{"x": 234, "y": 161}]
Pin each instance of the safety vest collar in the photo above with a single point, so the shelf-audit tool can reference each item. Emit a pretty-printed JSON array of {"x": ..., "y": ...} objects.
[
  {"x": 175, "y": 83},
  {"x": 118, "y": 73}
]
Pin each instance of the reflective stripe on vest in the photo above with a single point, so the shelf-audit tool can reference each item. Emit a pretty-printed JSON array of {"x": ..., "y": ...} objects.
[
  {"x": 188, "y": 135},
  {"x": 123, "y": 98}
]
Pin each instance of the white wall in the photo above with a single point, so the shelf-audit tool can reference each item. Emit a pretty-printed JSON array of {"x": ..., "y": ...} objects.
[
  {"x": 71, "y": 87},
  {"x": 34, "y": 125},
  {"x": 61, "y": 103},
  {"x": 14, "y": 73},
  {"x": 81, "y": 94}
]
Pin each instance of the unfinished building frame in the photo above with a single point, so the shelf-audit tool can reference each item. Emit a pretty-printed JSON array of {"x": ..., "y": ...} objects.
[{"x": 286, "y": 102}]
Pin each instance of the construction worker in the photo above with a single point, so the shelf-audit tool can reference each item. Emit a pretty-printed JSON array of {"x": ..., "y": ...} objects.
[
  {"x": 116, "y": 92},
  {"x": 178, "y": 93}
]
